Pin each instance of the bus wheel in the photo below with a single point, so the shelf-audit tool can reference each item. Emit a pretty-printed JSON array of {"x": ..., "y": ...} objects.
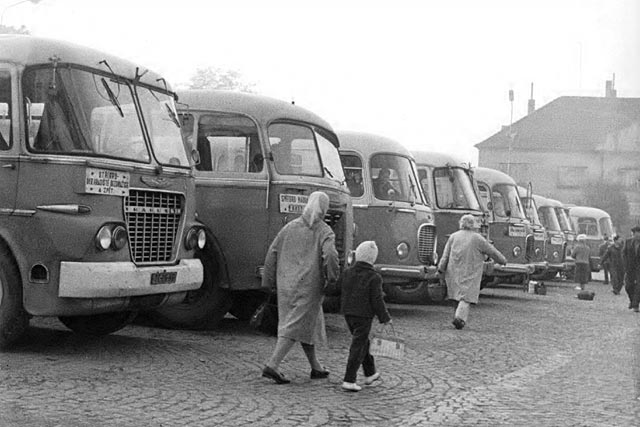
[
  {"x": 246, "y": 303},
  {"x": 98, "y": 324},
  {"x": 13, "y": 319},
  {"x": 411, "y": 293},
  {"x": 202, "y": 308}
]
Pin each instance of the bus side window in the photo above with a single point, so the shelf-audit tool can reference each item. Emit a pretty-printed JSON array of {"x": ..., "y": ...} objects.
[{"x": 5, "y": 111}]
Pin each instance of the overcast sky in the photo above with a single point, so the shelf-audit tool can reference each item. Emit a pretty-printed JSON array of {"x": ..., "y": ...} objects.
[{"x": 433, "y": 75}]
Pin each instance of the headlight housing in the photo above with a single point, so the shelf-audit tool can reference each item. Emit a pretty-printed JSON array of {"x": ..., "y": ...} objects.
[
  {"x": 556, "y": 255},
  {"x": 112, "y": 236},
  {"x": 517, "y": 251},
  {"x": 537, "y": 252},
  {"x": 103, "y": 238},
  {"x": 196, "y": 238},
  {"x": 402, "y": 250}
]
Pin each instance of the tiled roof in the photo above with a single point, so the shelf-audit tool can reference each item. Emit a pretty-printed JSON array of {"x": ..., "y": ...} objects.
[{"x": 569, "y": 122}]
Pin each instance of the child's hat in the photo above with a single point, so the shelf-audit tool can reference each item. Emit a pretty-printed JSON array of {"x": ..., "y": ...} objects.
[{"x": 367, "y": 252}]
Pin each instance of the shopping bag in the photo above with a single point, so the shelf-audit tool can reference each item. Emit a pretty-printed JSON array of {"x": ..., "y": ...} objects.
[
  {"x": 265, "y": 318},
  {"x": 387, "y": 343}
]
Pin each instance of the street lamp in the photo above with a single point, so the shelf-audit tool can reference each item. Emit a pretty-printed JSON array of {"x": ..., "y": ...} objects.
[{"x": 15, "y": 4}]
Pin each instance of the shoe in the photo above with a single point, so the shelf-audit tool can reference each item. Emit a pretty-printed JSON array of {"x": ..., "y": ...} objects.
[
  {"x": 371, "y": 379},
  {"x": 268, "y": 372},
  {"x": 317, "y": 375},
  {"x": 578, "y": 288},
  {"x": 458, "y": 323},
  {"x": 350, "y": 386},
  {"x": 616, "y": 292},
  {"x": 636, "y": 309}
]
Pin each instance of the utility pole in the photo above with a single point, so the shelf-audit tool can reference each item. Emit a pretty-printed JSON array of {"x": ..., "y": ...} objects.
[{"x": 511, "y": 134}]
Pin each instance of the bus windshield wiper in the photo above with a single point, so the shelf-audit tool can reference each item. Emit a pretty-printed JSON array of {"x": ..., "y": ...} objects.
[
  {"x": 112, "y": 97},
  {"x": 172, "y": 115}
]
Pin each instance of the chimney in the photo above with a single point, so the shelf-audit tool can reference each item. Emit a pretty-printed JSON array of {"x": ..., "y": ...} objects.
[
  {"x": 531, "y": 104},
  {"x": 610, "y": 91}
]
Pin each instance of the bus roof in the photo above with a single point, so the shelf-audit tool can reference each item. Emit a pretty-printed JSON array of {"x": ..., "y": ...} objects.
[
  {"x": 261, "y": 108},
  {"x": 492, "y": 176},
  {"x": 432, "y": 158},
  {"x": 368, "y": 144},
  {"x": 28, "y": 50},
  {"x": 587, "y": 211}
]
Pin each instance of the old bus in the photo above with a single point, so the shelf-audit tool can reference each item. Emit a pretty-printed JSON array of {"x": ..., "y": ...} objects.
[
  {"x": 509, "y": 229},
  {"x": 448, "y": 187},
  {"x": 556, "y": 239},
  {"x": 98, "y": 191},
  {"x": 596, "y": 225},
  {"x": 538, "y": 259},
  {"x": 260, "y": 158},
  {"x": 389, "y": 207}
]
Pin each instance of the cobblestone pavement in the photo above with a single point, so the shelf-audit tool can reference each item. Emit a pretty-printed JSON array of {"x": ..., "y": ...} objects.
[{"x": 522, "y": 360}]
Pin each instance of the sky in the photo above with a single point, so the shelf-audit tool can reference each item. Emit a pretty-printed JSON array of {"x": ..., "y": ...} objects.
[{"x": 433, "y": 75}]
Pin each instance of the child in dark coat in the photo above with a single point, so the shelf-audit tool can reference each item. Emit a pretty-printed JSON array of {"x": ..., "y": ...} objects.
[{"x": 361, "y": 288}]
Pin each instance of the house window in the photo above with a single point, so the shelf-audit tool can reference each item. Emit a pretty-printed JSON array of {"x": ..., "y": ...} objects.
[
  {"x": 572, "y": 176},
  {"x": 629, "y": 178}
]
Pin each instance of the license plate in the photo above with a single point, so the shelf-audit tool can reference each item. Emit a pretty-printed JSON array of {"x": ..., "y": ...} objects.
[{"x": 163, "y": 277}]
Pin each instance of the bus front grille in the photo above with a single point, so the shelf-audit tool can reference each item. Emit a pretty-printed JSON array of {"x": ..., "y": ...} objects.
[
  {"x": 426, "y": 243},
  {"x": 153, "y": 220}
]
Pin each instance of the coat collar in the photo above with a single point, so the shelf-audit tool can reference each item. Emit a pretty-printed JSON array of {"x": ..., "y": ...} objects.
[{"x": 363, "y": 265}]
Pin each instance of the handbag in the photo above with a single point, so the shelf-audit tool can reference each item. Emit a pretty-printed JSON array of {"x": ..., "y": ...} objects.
[
  {"x": 265, "y": 318},
  {"x": 387, "y": 344}
]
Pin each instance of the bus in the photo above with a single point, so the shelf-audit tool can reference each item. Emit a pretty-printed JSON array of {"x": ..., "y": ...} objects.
[
  {"x": 557, "y": 253},
  {"x": 509, "y": 229},
  {"x": 260, "y": 158},
  {"x": 389, "y": 207},
  {"x": 98, "y": 194},
  {"x": 596, "y": 225},
  {"x": 538, "y": 260}
]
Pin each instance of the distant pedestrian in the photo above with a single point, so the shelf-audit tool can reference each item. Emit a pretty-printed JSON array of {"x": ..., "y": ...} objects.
[
  {"x": 461, "y": 266},
  {"x": 604, "y": 264},
  {"x": 613, "y": 257},
  {"x": 300, "y": 260},
  {"x": 631, "y": 260},
  {"x": 581, "y": 254},
  {"x": 361, "y": 288}
]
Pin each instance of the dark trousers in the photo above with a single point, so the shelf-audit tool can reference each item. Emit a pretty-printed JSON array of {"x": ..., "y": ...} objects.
[
  {"x": 632, "y": 286},
  {"x": 617, "y": 279},
  {"x": 359, "y": 351},
  {"x": 605, "y": 269}
]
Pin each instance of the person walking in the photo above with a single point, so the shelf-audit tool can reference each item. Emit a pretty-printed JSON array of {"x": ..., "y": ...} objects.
[
  {"x": 461, "y": 266},
  {"x": 613, "y": 257},
  {"x": 299, "y": 262},
  {"x": 361, "y": 289},
  {"x": 581, "y": 254},
  {"x": 604, "y": 263},
  {"x": 631, "y": 261}
]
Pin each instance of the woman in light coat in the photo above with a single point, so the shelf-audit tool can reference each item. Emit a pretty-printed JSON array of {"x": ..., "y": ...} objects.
[
  {"x": 300, "y": 260},
  {"x": 461, "y": 266}
]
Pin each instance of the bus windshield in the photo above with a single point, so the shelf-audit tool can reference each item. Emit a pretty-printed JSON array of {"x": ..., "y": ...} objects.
[
  {"x": 606, "y": 226},
  {"x": 531, "y": 210},
  {"x": 76, "y": 112},
  {"x": 454, "y": 190},
  {"x": 394, "y": 177},
  {"x": 548, "y": 218},
  {"x": 563, "y": 219},
  {"x": 506, "y": 202},
  {"x": 303, "y": 150}
]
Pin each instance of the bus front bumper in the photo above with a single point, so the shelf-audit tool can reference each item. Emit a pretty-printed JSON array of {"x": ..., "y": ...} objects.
[
  {"x": 125, "y": 279},
  {"x": 403, "y": 273},
  {"x": 494, "y": 269}
]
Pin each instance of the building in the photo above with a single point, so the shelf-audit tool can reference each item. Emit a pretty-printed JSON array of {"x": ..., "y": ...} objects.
[{"x": 570, "y": 142}]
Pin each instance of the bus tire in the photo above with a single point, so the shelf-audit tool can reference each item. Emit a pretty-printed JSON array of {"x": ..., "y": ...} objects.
[
  {"x": 202, "y": 308},
  {"x": 98, "y": 324},
  {"x": 14, "y": 320},
  {"x": 412, "y": 293}
]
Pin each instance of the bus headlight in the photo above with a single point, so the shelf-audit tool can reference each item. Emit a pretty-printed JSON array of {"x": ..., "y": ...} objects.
[
  {"x": 196, "y": 239},
  {"x": 538, "y": 252},
  {"x": 118, "y": 238},
  {"x": 402, "y": 250},
  {"x": 556, "y": 255},
  {"x": 103, "y": 238},
  {"x": 517, "y": 250}
]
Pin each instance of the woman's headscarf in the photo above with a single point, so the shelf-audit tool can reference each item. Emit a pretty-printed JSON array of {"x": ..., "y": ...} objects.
[
  {"x": 316, "y": 208},
  {"x": 467, "y": 222}
]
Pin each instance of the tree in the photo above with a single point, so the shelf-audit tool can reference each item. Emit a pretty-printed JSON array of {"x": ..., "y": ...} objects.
[
  {"x": 610, "y": 198},
  {"x": 7, "y": 29},
  {"x": 219, "y": 78}
]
